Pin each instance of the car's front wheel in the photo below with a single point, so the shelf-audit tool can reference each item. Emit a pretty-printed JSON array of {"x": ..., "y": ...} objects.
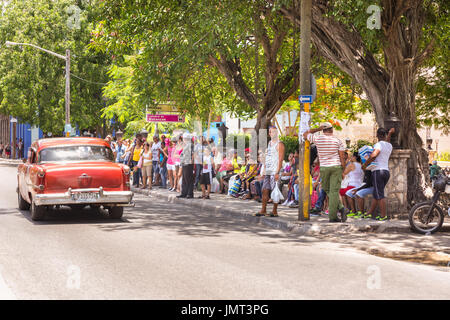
[
  {"x": 37, "y": 212},
  {"x": 115, "y": 212}
]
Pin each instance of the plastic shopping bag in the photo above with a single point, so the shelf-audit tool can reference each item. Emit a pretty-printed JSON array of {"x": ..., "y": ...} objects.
[
  {"x": 235, "y": 187},
  {"x": 276, "y": 194},
  {"x": 314, "y": 198},
  {"x": 215, "y": 186},
  {"x": 231, "y": 183}
]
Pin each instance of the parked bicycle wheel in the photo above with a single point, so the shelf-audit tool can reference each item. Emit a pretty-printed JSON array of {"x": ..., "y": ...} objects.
[{"x": 423, "y": 221}]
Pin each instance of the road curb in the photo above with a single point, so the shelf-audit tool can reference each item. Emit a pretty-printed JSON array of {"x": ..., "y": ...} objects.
[
  {"x": 300, "y": 228},
  {"x": 10, "y": 163}
]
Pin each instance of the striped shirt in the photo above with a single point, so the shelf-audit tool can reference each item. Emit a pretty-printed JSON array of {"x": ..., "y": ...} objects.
[{"x": 328, "y": 148}]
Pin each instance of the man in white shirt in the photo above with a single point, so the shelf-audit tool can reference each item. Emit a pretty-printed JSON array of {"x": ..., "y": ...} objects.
[
  {"x": 331, "y": 152},
  {"x": 155, "y": 160},
  {"x": 380, "y": 174},
  {"x": 273, "y": 162}
]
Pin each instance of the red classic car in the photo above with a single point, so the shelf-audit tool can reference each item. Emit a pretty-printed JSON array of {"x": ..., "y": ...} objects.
[{"x": 74, "y": 172}]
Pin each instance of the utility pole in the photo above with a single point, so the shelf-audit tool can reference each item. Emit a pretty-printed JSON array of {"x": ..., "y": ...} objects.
[
  {"x": 304, "y": 197},
  {"x": 67, "y": 95}
]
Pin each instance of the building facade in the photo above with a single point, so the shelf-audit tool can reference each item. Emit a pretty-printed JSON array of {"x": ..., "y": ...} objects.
[
  {"x": 4, "y": 129},
  {"x": 11, "y": 133}
]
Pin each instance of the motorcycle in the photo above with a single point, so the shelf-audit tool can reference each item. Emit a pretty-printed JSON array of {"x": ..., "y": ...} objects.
[{"x": 427, "y": 217}]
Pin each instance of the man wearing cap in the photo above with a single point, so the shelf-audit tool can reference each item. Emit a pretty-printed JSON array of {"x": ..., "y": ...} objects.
[
  {"x": 187, "y": 165},
  {"x": 331, "y": 152}
]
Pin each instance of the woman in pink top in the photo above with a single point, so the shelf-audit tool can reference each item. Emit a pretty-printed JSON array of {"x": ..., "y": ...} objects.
[
  {"x": 177, "y": 149},
  {"x": 171, "y": 164}
]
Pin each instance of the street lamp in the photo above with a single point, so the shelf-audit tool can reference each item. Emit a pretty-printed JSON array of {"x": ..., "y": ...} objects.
[
  {"x": 67, "y": 89},
  {"x": 392, "y": 121}
]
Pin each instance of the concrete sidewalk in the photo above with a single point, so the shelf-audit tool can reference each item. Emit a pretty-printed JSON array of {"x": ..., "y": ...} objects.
[
  {"x": 11, "y": 162},
  {"x": 288, "y": 217}
]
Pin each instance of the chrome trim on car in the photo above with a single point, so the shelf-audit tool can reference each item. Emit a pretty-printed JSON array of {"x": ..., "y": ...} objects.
[{"x": 105, "y": 197}]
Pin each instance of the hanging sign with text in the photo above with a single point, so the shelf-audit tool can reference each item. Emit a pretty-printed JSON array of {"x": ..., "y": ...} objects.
[{"x": 164, "y": 118}]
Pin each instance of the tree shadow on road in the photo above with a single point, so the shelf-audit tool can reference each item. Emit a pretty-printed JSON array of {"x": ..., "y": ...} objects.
[{"x": 155, "y": 214}]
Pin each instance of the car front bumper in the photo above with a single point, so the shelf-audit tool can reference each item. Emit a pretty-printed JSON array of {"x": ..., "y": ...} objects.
[{"x": 96, "y": 196}]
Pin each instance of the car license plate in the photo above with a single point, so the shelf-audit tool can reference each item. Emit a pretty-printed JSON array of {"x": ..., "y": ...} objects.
[{"x": 85, "y": 196}]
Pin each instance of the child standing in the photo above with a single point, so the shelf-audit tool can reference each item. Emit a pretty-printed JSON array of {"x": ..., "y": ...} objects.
[{"x": 206, "y": 177}]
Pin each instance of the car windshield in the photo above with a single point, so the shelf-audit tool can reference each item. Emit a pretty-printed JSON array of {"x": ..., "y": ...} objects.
[{"x": 76, "y": 153}]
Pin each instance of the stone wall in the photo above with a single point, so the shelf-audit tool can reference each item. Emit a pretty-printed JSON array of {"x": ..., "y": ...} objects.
[{"x": 397, "y": 187}]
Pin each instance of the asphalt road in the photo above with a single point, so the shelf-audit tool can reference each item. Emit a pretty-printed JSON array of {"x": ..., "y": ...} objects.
[{"x": 165, "y": 251}]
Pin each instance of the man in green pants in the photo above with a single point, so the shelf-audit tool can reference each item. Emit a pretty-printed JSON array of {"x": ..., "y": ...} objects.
[{"x": 331, "y": 152}]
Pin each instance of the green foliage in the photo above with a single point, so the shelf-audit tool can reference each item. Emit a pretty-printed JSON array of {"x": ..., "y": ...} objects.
[
  {"x": 32, "y": 82},
  {"x": 291, "y": 145},
  {"x": 175, "y": 42},
  {"x": 433, "y": 91}
]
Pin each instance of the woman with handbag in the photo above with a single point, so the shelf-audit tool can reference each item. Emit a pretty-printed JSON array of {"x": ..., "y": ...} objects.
[
  {"x": 146, "y": 164},
  {"x": 135, "y": 156}
]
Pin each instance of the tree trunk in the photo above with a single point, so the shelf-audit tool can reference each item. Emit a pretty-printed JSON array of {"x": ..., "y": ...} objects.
[{"x": 401, "y": 62}]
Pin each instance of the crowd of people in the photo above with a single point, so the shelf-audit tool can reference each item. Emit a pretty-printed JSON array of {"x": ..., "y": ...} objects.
[
  {"x": 6, "y": 149},
  {"x": 341, "y": 181}
]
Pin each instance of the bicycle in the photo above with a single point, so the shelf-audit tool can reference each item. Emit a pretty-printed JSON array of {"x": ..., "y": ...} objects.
[{"x": 427, "y": 217}]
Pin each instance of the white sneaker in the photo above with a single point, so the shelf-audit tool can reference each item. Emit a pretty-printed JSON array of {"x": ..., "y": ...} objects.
[
  {"x": 285, "y": 203},
  {"x": 290, "y": 203}
]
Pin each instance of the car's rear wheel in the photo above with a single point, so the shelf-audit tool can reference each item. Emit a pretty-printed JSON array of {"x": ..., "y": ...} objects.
[
  {"x": 37, "y": 212},
  {"x": 115, "y": 212},
  {"x": 23, "y": 205}
]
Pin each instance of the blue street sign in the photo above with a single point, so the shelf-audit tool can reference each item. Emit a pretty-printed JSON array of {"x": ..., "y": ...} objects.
[{"x": 305, "y": 99}]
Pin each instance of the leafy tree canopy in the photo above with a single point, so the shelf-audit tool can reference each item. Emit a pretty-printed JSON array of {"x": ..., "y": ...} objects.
[
  {"x": 234, "y": 55},
  {"x": 32, "y": 82}
]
